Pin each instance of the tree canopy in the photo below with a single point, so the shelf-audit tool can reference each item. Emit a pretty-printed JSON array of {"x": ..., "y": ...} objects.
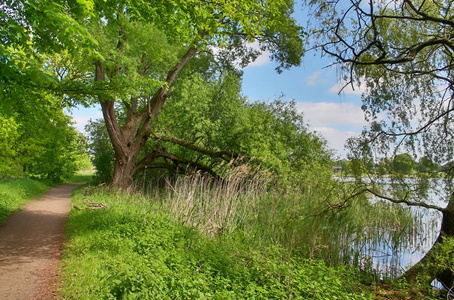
[
  {"x": 127, "y": 56},
  {"x": 208, "y": 126},
  {"x": 36, "y": 136}
]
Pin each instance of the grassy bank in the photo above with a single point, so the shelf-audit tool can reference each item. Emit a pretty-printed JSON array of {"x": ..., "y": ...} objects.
[
  {"x": 15, "y": 192},
  {"x": 128, "y": 247},
  {"x": 81, "y": 176}
]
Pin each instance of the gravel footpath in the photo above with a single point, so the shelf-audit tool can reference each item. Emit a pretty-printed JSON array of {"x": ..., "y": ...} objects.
[{"x": 30, "y": 246}]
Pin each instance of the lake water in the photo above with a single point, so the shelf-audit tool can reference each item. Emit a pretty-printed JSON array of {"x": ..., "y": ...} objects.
[{"x": 390, "y": 257}]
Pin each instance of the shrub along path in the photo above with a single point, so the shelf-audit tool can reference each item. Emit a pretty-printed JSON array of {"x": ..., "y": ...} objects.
[{"x": 30, "y": 246}]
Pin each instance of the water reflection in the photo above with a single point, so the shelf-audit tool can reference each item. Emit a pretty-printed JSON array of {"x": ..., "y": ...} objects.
[{"x": 391, "y": 253}]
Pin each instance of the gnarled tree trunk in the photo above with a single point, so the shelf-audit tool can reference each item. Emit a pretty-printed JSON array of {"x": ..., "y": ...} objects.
[
  {"x": 129, "y": 139},
  {"x": 125, "y": 168}
]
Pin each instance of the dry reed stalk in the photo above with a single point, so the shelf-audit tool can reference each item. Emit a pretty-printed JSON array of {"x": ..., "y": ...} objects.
[{"x": 215, "y": 205}]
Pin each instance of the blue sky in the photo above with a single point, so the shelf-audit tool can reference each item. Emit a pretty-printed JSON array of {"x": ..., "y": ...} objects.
[{"x": 314, "y": 88}]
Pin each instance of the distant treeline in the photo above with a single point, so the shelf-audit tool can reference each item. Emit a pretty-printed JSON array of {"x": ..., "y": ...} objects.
[{"x": 403, "y": 163}]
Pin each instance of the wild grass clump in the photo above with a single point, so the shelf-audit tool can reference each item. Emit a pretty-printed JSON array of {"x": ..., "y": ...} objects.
[
  {"x": 133, "y": 248},
  {"x": 215, "y": 205},
  {"x": 16, "y": 192}
]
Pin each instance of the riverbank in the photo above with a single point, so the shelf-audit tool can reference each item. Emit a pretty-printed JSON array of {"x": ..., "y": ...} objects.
[{"x": 126, "y": 246}]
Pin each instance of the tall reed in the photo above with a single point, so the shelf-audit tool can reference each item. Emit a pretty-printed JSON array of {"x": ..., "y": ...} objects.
[
  {"x": 310, "y": 219},
  {"x": 216, "y": 205}
]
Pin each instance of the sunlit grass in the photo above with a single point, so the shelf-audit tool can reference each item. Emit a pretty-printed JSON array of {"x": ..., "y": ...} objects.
[
  {"x": 82, "y": 176},
  {"x": 14, "y": 193}
]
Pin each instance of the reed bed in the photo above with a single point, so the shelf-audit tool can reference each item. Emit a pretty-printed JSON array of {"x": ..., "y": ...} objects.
[{"x": 310, "y": 219}]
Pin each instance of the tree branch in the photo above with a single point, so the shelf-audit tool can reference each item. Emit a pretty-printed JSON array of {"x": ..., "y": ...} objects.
[
  {"x": 226, "y": 155},
  {"x": 159, "y": 98},
  {"x": 407, "y": 55},
  {"x": 160, "y": 153},
  {"x": 427, "y": 17},
  {"x": 422, "y": 128},
  {"x": 108, "y": 111},
  {"x": 404, "y": 201}
]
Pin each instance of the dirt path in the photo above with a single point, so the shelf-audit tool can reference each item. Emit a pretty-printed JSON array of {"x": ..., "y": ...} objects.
[{"x": 30, "y": 246}]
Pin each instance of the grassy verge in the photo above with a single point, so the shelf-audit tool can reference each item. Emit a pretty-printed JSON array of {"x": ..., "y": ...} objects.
[
  {"x": 127, "y": 247},
  {"x": 15, "y": 192}
]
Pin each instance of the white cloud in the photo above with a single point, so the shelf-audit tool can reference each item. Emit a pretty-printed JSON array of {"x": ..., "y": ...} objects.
[
  {"x": 262, "y": 59},
  {"x": 332, "y": 114},
  {"x": 336, "y": 122},
  {"x": 315, "y": 79},
  {"x": 336, "y": 138},
  {"x": 81, "y": 117},
  {"x": 344, "y": 88}
]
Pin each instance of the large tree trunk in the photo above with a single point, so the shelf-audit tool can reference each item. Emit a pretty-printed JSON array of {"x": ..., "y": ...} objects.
[
  {"x": 427, "y": 268},
  {"x": 129, "y": 139},
  {"x": 123, "y": 172},
  {"x": 125, "y": 145}
]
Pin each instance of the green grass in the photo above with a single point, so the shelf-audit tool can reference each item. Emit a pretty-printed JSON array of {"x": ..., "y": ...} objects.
[
  {"x": 81, "y": 176},
  {"x": 134, "y": 249},
  {"x": 16, "y": 192}
]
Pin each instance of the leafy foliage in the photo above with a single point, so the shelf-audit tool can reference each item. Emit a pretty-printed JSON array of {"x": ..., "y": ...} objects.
[
  {"x": 101, "y": 150},
  {"x": 139, "y": 49},
  {"x": 212, "y": 114},
  {"x": 38, "y": 137},
  {"x": 8, "y": 137},
  {"x": 206, "y": 111}
]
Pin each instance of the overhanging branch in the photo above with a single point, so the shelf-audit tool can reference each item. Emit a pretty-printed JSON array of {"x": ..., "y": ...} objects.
[
  {"x": 226, "y": 155},
  {"x": 178, "y": 164},
  {"x": 404, "y": 201}
]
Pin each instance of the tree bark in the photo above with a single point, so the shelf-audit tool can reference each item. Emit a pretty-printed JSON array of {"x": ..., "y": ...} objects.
[
  {"x": 123, "y": 172},
  {"x": 124, "y": 157}
]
